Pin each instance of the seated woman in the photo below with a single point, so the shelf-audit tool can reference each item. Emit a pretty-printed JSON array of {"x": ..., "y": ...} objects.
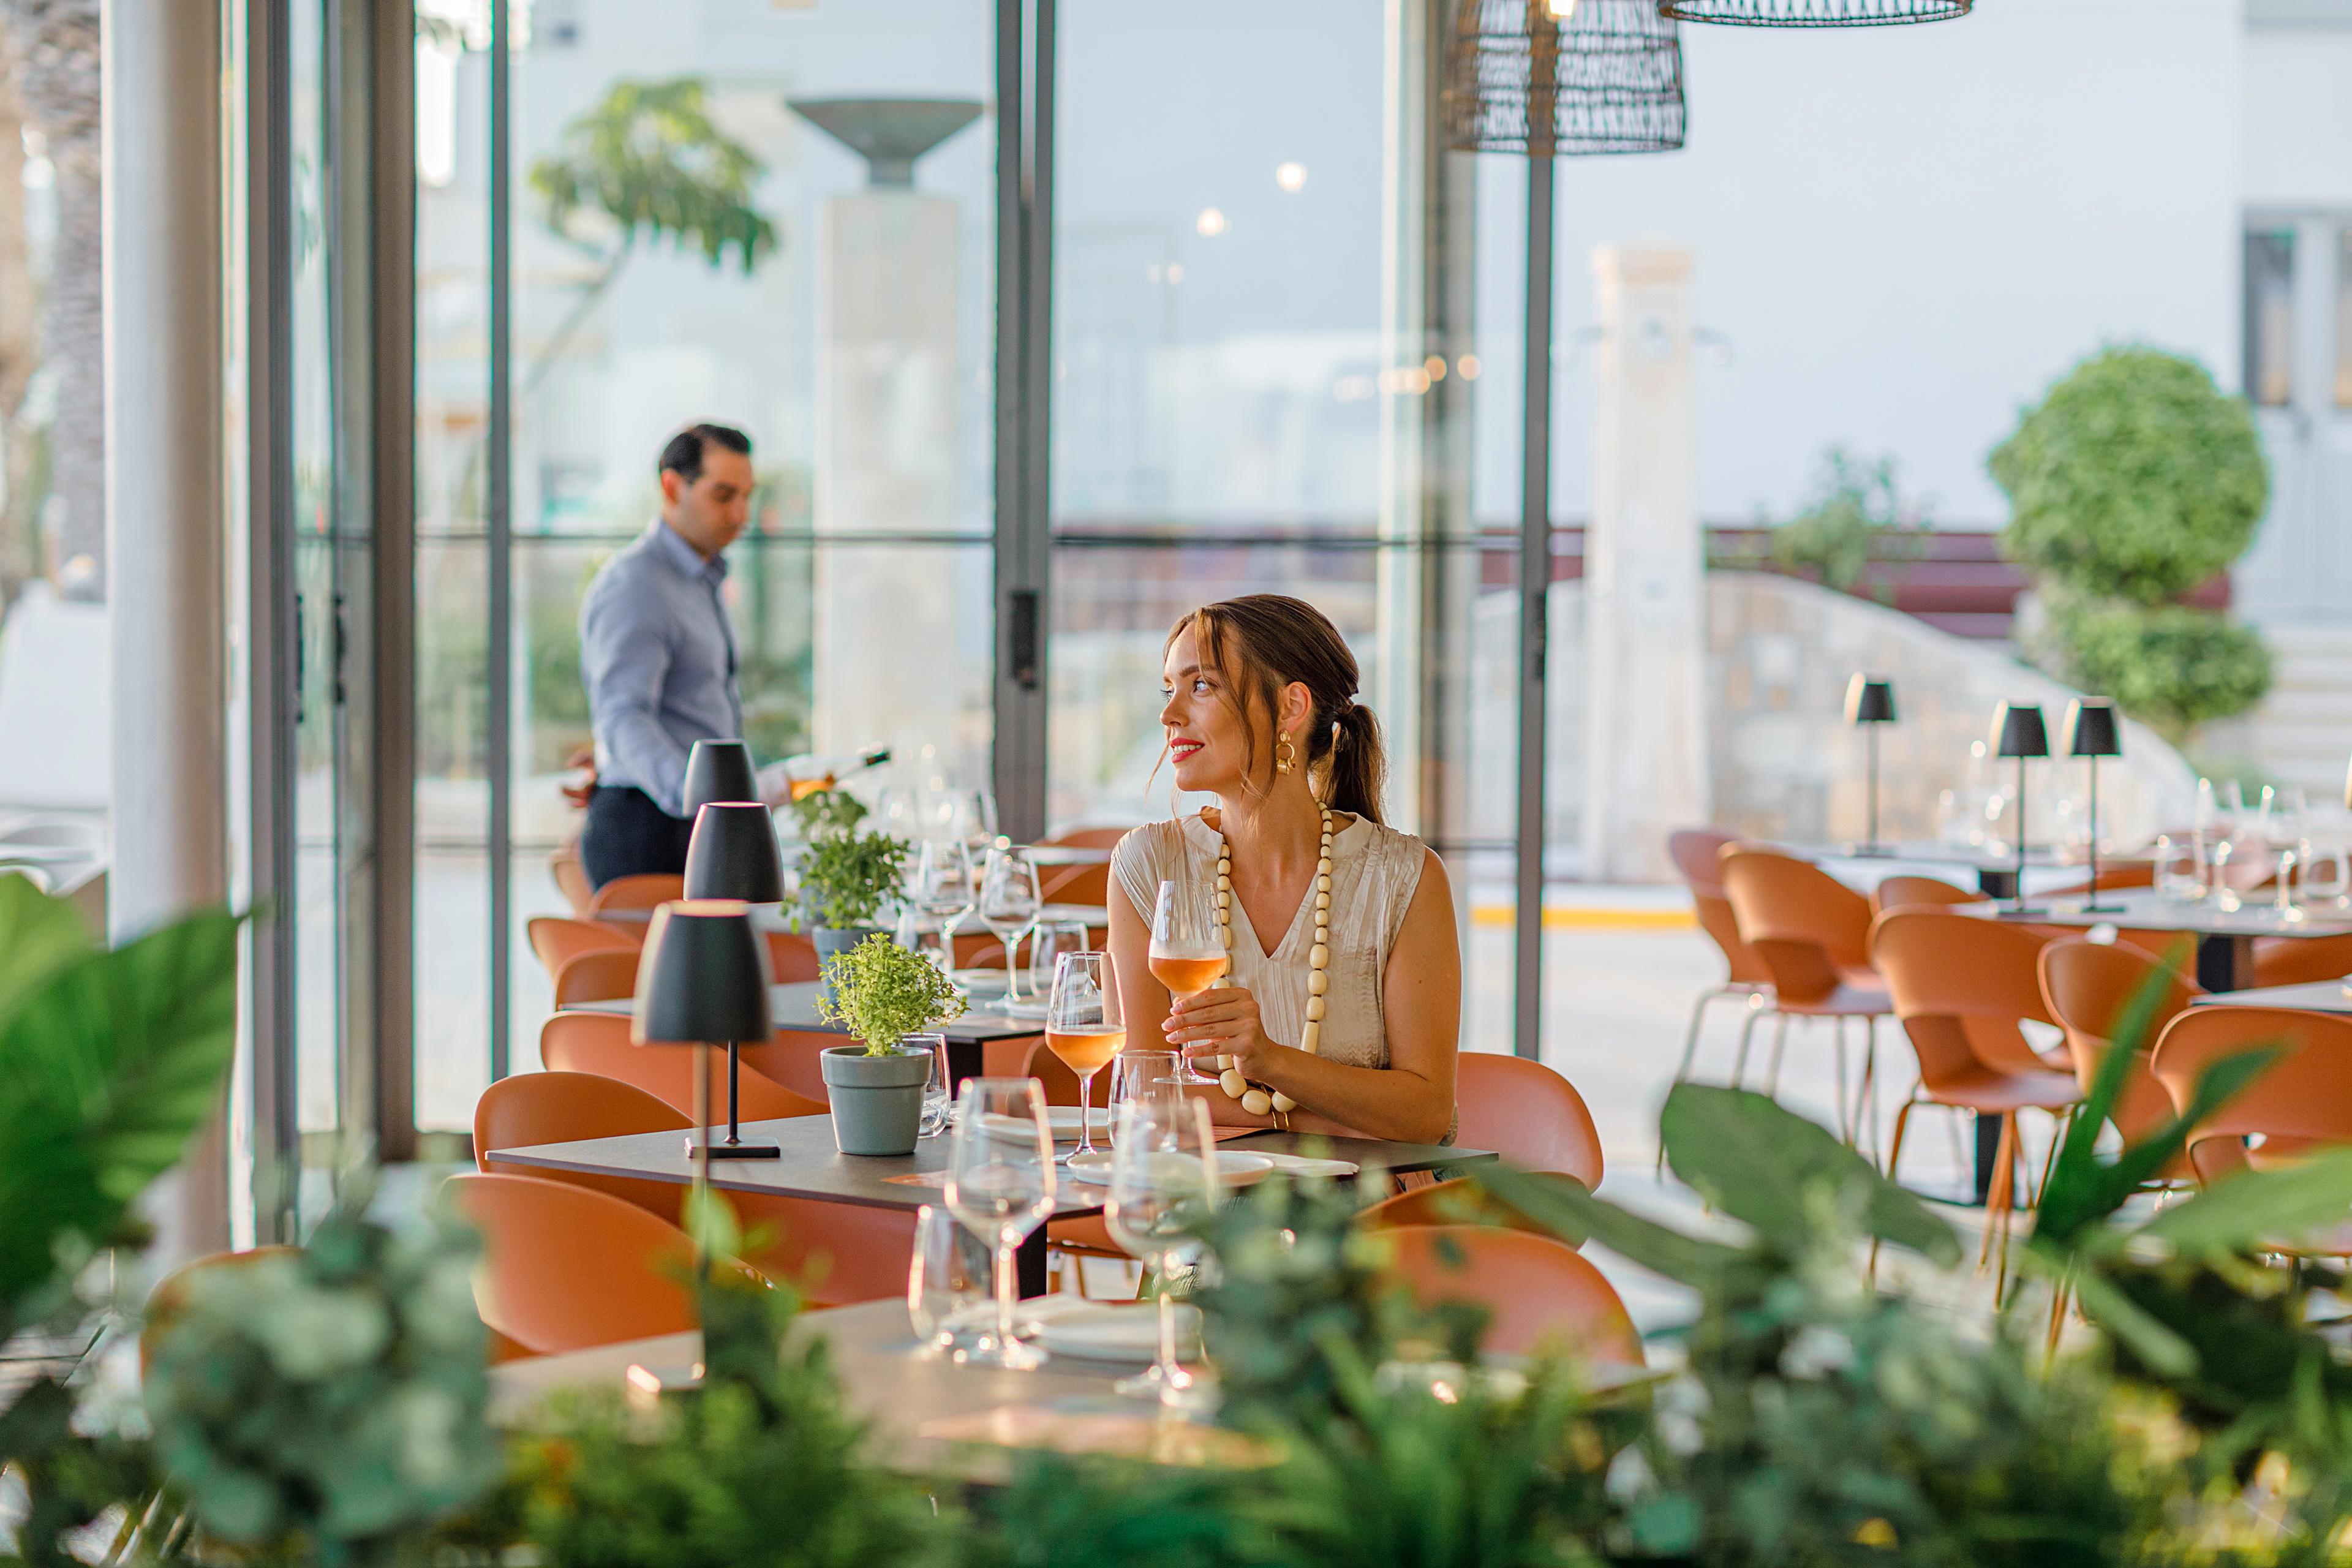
[{"x": 1261, "y": 712}]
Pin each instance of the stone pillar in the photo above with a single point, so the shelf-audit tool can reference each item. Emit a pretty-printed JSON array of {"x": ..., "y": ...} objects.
[
  {"x": 1645, "y": 760},
  {"x": 888, "y": 653},
  {"x": 165, "y": 435}
]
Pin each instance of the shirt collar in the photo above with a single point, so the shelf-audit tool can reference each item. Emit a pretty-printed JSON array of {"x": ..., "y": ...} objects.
[{"x": 674, "y": 548}]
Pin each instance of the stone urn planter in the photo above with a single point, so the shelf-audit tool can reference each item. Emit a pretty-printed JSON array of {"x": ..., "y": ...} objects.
[{"x": 878, "y": 1100}]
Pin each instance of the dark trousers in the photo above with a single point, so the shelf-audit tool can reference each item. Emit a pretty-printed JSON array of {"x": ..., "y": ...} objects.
[{"x": 627, "y": 835}]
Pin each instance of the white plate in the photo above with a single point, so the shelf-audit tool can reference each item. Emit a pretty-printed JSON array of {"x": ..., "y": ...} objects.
[
  {"x": 1301, "y": 1165},
  {"x": 1063, "y": 1118},
  {"x": 1125, "y": 1332},
  {"x": 1235, "y": 1168}
]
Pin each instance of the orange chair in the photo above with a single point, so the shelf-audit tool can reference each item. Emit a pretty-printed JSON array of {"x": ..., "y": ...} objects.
[
  {"x": 601, "y": 974},
  {"x": 2302, "y": 1102},
  {"x": 1078, "y": 884},
  {"x": 1540, "y": 1291},
  {"x": 644, "y": 891},
  {"x": 1697, "y": 853},
  {"x": 170, "y": 1296},
  {"x": 570, "y": 876},
  {"x": 558, "y": 940},
  {"x": 564, "y": 1267},
  {"x": 1919, "y": 893},
  {"x": 2300, "y": 960},
  {"x": 599, "y": 1043},
  {"x": 2088, "y": 986},
  {"x": 789, "y": 1056},
  {"x": 1458, "y": 1202},
  {"x": 1962, "y": 986},
  {"x": 1812, "y": 932},
  {"x": 562, "y": 1107},
  {"x": 1527, "y": 1113},
  {"x": 792, "y": 957}
]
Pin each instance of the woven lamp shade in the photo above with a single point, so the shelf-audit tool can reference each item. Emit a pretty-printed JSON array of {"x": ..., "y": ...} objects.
[
  {"x": 1607, "y": 78},
  {"x": 1814, "y": 13}
]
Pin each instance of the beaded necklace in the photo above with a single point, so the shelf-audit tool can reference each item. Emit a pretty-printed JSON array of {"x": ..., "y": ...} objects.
[{"x": 1256, "y": 1097}]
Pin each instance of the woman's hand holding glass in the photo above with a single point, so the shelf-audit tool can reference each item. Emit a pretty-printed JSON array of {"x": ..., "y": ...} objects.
[
  {"x": 1223, "y": 1022},
  {"x": 1001, "y": 1182}
]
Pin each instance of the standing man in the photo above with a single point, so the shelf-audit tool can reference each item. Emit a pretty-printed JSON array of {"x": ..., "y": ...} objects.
[{"x": 658, "y": 654}]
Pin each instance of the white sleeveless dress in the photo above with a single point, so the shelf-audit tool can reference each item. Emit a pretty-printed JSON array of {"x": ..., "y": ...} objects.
[{"x": 1374, "y": 871}]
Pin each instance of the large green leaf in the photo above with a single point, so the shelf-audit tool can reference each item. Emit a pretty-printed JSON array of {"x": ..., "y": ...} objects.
[
  {"x": 2093, "y": 1191},
  {"x": 38, "y": 935},
  {"x": 1758, "y": 1161},
  {"x": 110, "y": 1064},
  {"x": 1569, "y": 1211},
  {"x": 2254, "y": 1208}
]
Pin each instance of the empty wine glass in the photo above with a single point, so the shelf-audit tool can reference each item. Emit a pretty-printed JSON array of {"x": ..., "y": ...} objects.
[
  {"x": 1085, "y": 1027},
  {"x": 1188, "y": 952},
  {"x": 1009, "y": 903},
  {"x": 1049, "y": 943},
  {"x": 1001, "y": 1183},
  {"x": 1146, "y": 1077},
  {"x": 940, "y": 887},
  {"x": 2177, "y": 870},
  {"x": 939, "y": 1091},
  {"x": 2284, "y": 825},
  {"x": 1163, "y": 1185},
  {"x": 947, "y": 1281}
]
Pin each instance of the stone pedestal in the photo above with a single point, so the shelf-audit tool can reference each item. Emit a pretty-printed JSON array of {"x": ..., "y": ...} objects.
[{"x": 1646, "y": 762}]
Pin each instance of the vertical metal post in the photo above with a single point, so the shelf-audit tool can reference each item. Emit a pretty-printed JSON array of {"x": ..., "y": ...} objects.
[
  {"x": 1534, "y": 541},
  {"x": 497, "y": 501},
  {"x": 1025, "y": 249}
]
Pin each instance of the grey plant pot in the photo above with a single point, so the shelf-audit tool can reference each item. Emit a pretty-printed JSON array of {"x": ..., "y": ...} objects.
[
  {"x": 831, "y": 943},
  {"x": 877, "y": 1102}
]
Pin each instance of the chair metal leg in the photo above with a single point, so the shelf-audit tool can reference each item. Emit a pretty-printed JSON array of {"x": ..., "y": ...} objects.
[
  {"x": 2060, "y": 1123},
  {"x": 1894, "y": 1154},
  {"x": 1870, "y": 1084},
  {"x": 2004, "y": 1161},
  {"x": 1772, "y": 1072},
  {"x": 1690, "y": 1049},
  {"x": 1739, "y": 1063},
  {"x": 1844, "y": 1110}
]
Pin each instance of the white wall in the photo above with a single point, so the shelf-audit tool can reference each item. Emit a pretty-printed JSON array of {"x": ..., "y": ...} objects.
[
  {"x": 2296, "y": 147},
  {"x": 1907, "y": 233}
]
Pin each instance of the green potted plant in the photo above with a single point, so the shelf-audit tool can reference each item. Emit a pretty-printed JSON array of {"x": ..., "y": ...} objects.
[
  {"x": 846, "y": 876},
  {"x": 881, "y": 992}
]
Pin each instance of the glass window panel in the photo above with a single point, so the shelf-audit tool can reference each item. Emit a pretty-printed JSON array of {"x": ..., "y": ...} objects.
[
  {"x": 2269, "y": 316},
  {"x": 2344, "y": 318}
]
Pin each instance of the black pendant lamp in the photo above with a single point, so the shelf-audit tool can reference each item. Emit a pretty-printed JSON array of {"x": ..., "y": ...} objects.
[
  {"x": 1551, "y": 78},
  {"x": 1814, "y": 13},
  {"x": 2018, "y": 731},
  {"x": 718, "y": 770},
  {"x": 703, "y": 981},
  {"x": 734, "y": 853}
]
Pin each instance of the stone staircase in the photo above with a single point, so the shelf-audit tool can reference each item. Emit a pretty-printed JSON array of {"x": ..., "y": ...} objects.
[{"x": 2301, "y": 733}]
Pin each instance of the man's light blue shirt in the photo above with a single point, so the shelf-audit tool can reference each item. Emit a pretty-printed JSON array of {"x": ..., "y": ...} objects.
[{"x": 658, "y": 653}]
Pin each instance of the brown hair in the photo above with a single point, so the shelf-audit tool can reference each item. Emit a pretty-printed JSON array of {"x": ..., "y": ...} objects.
[{"x": 1261, "y": 643}]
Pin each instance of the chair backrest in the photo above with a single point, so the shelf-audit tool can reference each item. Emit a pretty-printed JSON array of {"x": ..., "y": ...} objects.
[
  {"x": 570, "y": 876},
  {"x": 1078, "y": 884},
  {"x": 2304, "y": 1096},
  {"x": 1961, "y": 986},
  {"x": 1526, "y": 1112},
  {"x": 1696, "y": 853},
  {"x": 599, "y": 974},
  {"x": 564, "y": 1267},
  {"x": 560, "y": 1107},
  {"x": 1807, "y": 927},
  {"x": 1461, "y": 1201},
  {"x": 1539, "y": 1290},
  {"x": 792, "y": 957},
  {"x": 599, "y": 1043},
  {"x": 642, "y": 891},
  {"x": 170, "y": 1296},
  {"x": 2300, "y": 960},
  {"x": 1918, "y": 893},
  {"x": 2088, "y": 986},
  {"x": 558, "y": 940}
]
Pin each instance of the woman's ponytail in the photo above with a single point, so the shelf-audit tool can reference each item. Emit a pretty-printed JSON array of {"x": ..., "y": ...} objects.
[{"x": 1359, "y": 768}]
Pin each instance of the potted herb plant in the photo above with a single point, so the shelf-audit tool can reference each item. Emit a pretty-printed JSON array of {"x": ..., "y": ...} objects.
[
  {"x": 881, "y": 992},
  {"x": 846, "y": 876}
]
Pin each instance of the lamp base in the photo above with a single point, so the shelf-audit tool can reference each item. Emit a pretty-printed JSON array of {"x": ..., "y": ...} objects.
[
  {"x": 2097, "y": 909},
  {"x": 725, "y": 1151}
]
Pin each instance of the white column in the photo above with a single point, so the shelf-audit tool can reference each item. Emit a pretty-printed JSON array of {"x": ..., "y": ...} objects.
[
  {"x": 1646, "y": 759},
  {"x": 162, "y": 107},
  {"x": 1392, "y": 682}
]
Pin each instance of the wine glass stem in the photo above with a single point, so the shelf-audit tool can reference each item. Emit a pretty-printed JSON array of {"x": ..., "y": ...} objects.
[
  {"x": 1169, "y": 1372},
  {"x": 1008, "y": 1264},
  {"x": 1085, "y": 1115}
]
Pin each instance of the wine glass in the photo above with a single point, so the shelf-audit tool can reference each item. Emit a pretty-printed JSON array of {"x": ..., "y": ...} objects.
[
  {"x": 938, "y": 1090},
  {"x": 2283, "y": 819},
  {"x": 971, "y": 818},
  {"x": 1163, "y": 1184},
  {"x": 1049, "y": 943},
  {"x": 947, "y": 1281},
  {"x": 2177, "y": 870},
  {"x": 1001, "y": 1183},
  {"x": 1085, "y": 1027},
  {"x": 1188, "y": 952},
  {"x": 940, "y": 886},
  {"x": 1146, "y": 1077},
  {"x": 1008, "y": 907}
]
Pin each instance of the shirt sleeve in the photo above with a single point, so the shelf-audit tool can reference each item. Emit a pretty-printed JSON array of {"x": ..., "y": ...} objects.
[
  {"x": 1138, "y": 870},
  {"x": 625, "y": 654}
]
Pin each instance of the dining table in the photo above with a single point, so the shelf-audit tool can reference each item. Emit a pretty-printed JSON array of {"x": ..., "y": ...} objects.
[
  {"x": 2311, "y": 996},
  {"x": 2225, "y": 938},
  {"x": 1995, "y": 870},
  {"x": 811, "y": 1165}
]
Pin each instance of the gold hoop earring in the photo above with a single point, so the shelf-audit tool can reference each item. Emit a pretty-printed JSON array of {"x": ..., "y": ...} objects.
[{"x": 1286, "y": 755}]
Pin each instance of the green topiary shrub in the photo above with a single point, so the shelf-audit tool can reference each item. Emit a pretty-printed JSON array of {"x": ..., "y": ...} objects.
[
  {"x": 2173, "y": 667},
  {"x": 2136, "y": 478}
]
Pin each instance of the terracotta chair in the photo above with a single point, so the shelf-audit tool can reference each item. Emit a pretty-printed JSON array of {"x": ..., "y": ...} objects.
[
  {"x": 1697, "y": 853},
  {"x": 640, "y": 892},
  {"x": 558, "y": 940},
  {"x": 2300, "y": 960},
  {"x": 1078, "y": 884},
  {"x": 1539, "y": 1290},
  {"x": 564, "y": 1267},
  {"x": 792, "y": 957},
  {"x": 2088, "y": 987},
  {"x": 1812, "y": 932},
  {"x": 599, "y": 1043},
  {"x": 2301, "y": 1102},
  {"x": 570, "y": 876},
  {"x": 789, "y": 1057},
  {"x": 1458, "y": 1202},
  {"x": 562, "y": 1107},
  {"x": 1962, "y": 986},
  {"x": 1528, "y": 1114},
  {"x": 603, "y": 975},
  {"x": 1919, "y": 893},
  {"x": 170, "y": 1296}
]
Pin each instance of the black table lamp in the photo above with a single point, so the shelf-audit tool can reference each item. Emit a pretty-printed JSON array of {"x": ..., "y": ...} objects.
[
  {"x": 702, "y": 980},
  {"x": 2090, "y": 731},
  {"x": 718, "y": 770},
  {"x": 2018, "y": 732},
  {"x": 1869, "y": 702},
  {"x": 734, "y": 853}
]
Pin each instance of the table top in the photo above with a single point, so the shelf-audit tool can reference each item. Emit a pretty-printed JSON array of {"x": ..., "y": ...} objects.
[
  {"x": 812, "y": 1166},
  {"x": 2318, "y": 996},
  {"x": 2141, "y": 908},
  {"x": 1066, "y": 855},
  {"x": 2041, "y": 857},
  {"x": 795, "y": 1007}
]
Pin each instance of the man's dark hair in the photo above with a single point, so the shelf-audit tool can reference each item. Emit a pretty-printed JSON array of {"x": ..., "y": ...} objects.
[{"x": 684, "y": 452}]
